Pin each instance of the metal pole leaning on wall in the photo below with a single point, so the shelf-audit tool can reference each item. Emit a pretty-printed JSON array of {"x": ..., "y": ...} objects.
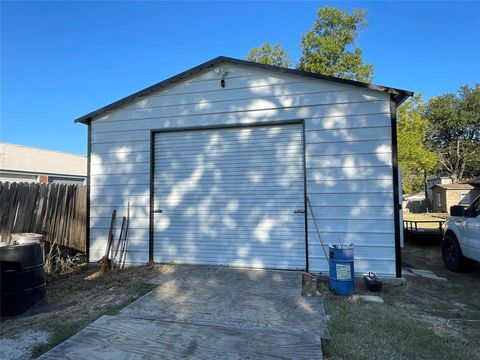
[{"x": 317, "y": 230}]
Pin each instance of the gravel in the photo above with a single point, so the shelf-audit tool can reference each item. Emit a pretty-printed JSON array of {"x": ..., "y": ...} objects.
[{"x": 21, "y": 345}]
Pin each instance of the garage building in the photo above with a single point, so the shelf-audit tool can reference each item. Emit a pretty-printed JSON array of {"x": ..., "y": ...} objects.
[{"x": 216, "y": 164}]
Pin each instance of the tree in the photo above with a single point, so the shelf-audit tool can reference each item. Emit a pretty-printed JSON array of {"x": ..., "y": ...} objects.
[
  {"x": 413, "y": 156},
  {"x": 454, "y": 131},
  {"x": 266, "y": 54},
  {"x": 330, "y": 47},
  {"x": 472, "y": 168}
]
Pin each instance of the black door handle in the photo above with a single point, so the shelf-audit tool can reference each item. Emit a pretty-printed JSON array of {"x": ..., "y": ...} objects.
[{"x": 158, "y": 211}]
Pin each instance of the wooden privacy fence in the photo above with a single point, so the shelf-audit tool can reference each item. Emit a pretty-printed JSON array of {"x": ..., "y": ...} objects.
[{"x": 58, "y": 211}]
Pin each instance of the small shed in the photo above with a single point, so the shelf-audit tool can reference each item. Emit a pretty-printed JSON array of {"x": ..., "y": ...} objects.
[
  {"x": 446, "y": 195},
  {"x": 216, "y": 164}
]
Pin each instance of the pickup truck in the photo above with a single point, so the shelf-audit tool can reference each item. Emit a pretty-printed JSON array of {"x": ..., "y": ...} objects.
[{"x": 461, "y": 239}]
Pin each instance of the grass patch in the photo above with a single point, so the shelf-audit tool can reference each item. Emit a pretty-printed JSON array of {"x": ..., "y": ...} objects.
[
  {"x": 423, "y": 217},
  {"x": 413, "y": 322},
  {"x": 363, "y": 331},
  {"x": 420, "y": 217},
  {"x": 58, "y": 336},
  {"x": 142, "y": 288}
]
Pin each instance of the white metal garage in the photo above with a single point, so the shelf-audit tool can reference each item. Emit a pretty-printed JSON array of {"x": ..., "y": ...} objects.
[
  {"x": 229, "y": 149},
  {"x": 230, "y": 196}
]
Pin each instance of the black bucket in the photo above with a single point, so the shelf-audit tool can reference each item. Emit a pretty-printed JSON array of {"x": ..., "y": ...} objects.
[{"x": 22, "y": 277}]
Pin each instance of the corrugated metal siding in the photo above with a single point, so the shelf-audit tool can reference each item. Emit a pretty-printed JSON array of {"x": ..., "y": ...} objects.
[
  {"x": 228, "y": 197},
  {"x": 348, "y": 154}
]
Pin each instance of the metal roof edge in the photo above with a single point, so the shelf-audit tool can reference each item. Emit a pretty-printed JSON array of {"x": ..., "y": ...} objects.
[{"x": 399, "y": 95}]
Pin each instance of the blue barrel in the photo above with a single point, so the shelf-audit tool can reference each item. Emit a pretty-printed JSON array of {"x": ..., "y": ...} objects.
[{"x": 342, "y": 274}]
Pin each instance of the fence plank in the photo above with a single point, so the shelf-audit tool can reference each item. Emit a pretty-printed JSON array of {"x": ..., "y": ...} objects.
[{"x": 58, "y": 211}]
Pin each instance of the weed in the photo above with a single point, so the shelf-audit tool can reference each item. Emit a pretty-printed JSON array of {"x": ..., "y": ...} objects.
[
  {"x": 61, "y": 260},
  {"x": 61, "y": 334}
]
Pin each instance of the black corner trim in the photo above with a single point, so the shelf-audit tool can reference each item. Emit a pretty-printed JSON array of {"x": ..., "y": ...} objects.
[
  {"x": 305, "y": 194},
  {"x": 152, "y": 188},
  {"x": 87, "y": 232},
  {"x": 396, "y": 189}
]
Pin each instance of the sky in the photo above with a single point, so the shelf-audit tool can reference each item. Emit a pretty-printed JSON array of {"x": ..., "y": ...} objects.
[{"x": 61, "y": 60}]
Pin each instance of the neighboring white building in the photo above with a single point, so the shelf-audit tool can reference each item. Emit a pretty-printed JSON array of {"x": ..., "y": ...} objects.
[
  {"x": 20, "y": 163},
  {"x": 414, "y": 202},
  {"x": 215, "y": 164}
]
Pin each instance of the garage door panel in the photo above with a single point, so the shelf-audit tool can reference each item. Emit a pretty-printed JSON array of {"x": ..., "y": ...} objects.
[
  {"x": 227, "y": 200},
  {"x": 210, "y": 173},
  {"x": 267, "y": 192},
  {"x": 224, "y": 164},
  {"x": 233, "y": 201},
  {"x": 257, "y": 262},
  {"x": 238, "y": 241},
  {"x": 214, "y": 143},
  {"x": 226, "y": 137},
  {"x": 252, "y": 157},
  {"x": 233, "y": 254},
  {"x": 231, "y": 227},
  {"x": 190, "y": 212},
  {"x": 216, "y": 151},
  {"x": 249, "y": 155},
  {"x": 283, "y": 179},
  {"x": 228, "y": 186}
]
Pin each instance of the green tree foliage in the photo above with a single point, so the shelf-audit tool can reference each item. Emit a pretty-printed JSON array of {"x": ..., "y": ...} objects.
[
  {"x": 472, "y": 169},
  {"x": 271, "y": 55},
  {"x": 413, "y": 157},
  {"x": 330, "y": 47},
  {"x": 454, "y": 131}
]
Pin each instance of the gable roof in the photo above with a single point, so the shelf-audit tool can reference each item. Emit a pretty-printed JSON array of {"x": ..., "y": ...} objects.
[
  {"x": 456, "y": 186},
  {"x": 399, "y": 95},
  {"x": 415, "y": 195}
]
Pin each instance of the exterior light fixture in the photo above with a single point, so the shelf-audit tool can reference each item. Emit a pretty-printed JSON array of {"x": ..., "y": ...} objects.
[{"x": 222, "y": 73}]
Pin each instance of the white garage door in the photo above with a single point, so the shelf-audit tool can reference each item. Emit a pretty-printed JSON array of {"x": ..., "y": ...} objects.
[{"x": 232, "y": 196}]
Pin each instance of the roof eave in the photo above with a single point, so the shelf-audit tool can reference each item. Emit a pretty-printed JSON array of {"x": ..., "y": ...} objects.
[
  {"x": 398, "y": 95},
  {"x": 88, "y": 117}
]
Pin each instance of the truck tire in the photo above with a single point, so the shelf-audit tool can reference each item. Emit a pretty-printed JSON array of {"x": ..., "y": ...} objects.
[{"x": 452, "y": 254}]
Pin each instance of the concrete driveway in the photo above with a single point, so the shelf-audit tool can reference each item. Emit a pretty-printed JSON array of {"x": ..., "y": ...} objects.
[{"x": 204, "y": 312}]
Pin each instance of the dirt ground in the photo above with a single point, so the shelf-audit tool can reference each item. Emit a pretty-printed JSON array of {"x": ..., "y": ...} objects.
[
  {"x": 423, "y": 319},
  {"x": 73, "y": 301}
]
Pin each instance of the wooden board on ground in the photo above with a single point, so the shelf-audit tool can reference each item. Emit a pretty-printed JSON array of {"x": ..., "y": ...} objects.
[
  {"x": 206, "y": 312},
  {"x": 208, "y": 295},
  {"x": 117, "y": 337}
]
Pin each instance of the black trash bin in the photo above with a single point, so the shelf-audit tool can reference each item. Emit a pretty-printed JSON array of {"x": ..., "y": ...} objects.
[{"x": 22, "y": 277}]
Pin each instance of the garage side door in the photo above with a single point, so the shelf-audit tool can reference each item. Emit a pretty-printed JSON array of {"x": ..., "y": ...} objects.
[{"x": 230, "y": 196}]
